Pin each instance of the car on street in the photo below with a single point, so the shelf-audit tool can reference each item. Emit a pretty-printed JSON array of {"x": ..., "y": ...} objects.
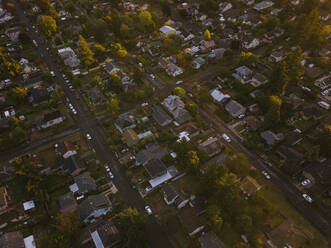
[
  {"x": 88, "y": 136},
  {"x": 52, "y": 73},
  {"x": 148, "y": 210},
  {"x": 265, "y": 174},
  {"x": 111, "y": 175},
  {"x": 74, "y": 111},
  {"x": 179, "y": 82},
  {"x": 307, "y": 198},
  {"x": 226, "y": 137},
  {"x": 305, "y": 182},
  {"x": 152, "y": 76}
]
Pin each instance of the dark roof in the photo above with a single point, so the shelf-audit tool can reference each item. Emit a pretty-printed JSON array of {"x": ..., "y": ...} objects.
[
  {"x": 321, "y": 172},
  {"x": 170, "y": 191},
  {"x": 124, "y": 121},
  {"x": 152, "y": 151},
  {"x": 289, "y": 153},
  {"x": 38, "y": 95},
  {"x": 67, "y": 202},
  {"x": 85, "y": 183},
  {"x": 188, "y": 217},
  {"x": 211, "y": 146},
  {"x": 210, "y": 240},
  {"x": 108, "y": 234},
  {"x": 292, "y": 138},
  {"x": 155, "y": 168},
  {"x": 161, "y": 117},
  {"x": 65, "y": 146},
  {"x": 199, "y": 204},
  {"x": 12, "y": 240},
  {"x": 91, "y": 204},
  {"x": 189, "y": 128},
  {"x": 73, "y": 163},
  {"x": 52, "y": 116},
  {"x": 270, "y": 137}
]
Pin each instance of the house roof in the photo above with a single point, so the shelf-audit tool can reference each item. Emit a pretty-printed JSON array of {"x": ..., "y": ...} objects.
[
  {"x": 293, "y": 137},
  {"x": 244, "y": 71},
  {"x": 260, "y": 77},
  {"x": 130, "y": 137},
  {"x": 12, "y": 240},
  {"x": 91, "y": 204},
  {"x": 170, "y": 191},
  {"x": 124, "y": 121},
  {"x": 73, "y": 163},
  {"x": 85, "y": 183},
  {"x": 65, "y": 146},
  {"x": 189, "y": 128},
  {"x": 253, "y": 122},
  {"x": 105, "y": 235},
  {"x": 210, "y": 240},
  {"x": 249, "y": 185},
  {"x": 52, "y": 116},
  {"x": 189, "y": 219},
  {"x": 155, "y": 168},
  {"x": 211, "y": 146},
  {"x": 38, "y": 95},
  {"x": 152, "y": 151},
  {"x": 235, "y": 108},
  {"x": 218, "y": 96},
  {"x": 289, "y": 153},
  {"x": 67, "y": 202},
  {"x": 160, "y": 116},
  {"x": 270, "y": 137}
]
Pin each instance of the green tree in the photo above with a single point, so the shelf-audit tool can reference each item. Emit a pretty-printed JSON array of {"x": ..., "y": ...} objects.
[
  {"x": 178, "y": 91},
  {"x": 113, "y": 106},
  {"x": 115, "y": 83},
  {"x": 68, "y": 223},
  {"x": 48, "y": 25},
  {"x": 247, "y": 58},
  {"x": 132, "y": 227},
  {"x": 8, "y": 66},
  {"x": 192, "y": 108},
  {"x": 204, "y": 95},
  {"x": 295, "y": 68},
  {"x": 145, "y": 22},
  {"x": 193, "y": 160},
  {"x": 100, "y": 30},
  {"x": 272, "y": 117},
  {"x": 118, "y": 50},
  {"x": 214, "y": 217},
  {"x": 243, "y": 223},
  {"x": 99, "y": 49},
  {"x": 206, "y": 35},
  {"x": 85, "y": 51}
]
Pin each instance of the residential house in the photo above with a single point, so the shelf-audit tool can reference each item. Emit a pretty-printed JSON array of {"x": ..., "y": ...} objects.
[
  {"x": 110, "y": 67},
  {"x": 211, "y": 146},
  {"x": 176, "y": 107},
  {"x": 67, "y": 202},
  {"x": 160, "y": 116},
  {"x": 52, "y": 119},
  {"x": 210, "y": 240},
  {"x": 207, "y": 46},
  {"x": 311, "y": 112},
  {"x": 85, "y": 183},
  {"x": 276, "y": 56},
  {"x": 124, "y": 122},
  {"x": 259, "y": 79},
  {"x": 29, "y": 242},
  {"x": 218, "y": 96},
  {"x": 152, "y": 151},
  {"x": 250, "y": 42},
  {"x": 167, "y": 30},
  {"x": 288, "y": 153},
  {"x": 294, "y": 137},
  {"x": 174, "y": 70},
  {"x": 191, "y": 222},
  {"x": 224, "y": 6},
  {"x": 73, "y": 165},
  {"x": 93, "y": 207},
  {"x": 105, "y": 235},
  {"x": 293, "y": 100},
  {"x": 263, "y": 5},
  {"x": 130, "y": 138},
  {"x": 253, "y": 123},
  {"x": 243, "y": 74},
  {"x": 66, "y": 149},
  {"x": 198, "y": 62},
  {"x": 249, "y": 185},
  {"x": 319, "y": 172},
  {"x": 96, "y": 96},
  {"x": 157, "y": 172},
  {"x": 187, "y": 130},
  {"x": 3, "y": 198},
  {"x": 235, "y": 109},
  {"x": 12, "y": 240},
  {"x": 69, "y": 57},
  {"x": 271, "y": 138},
  {"x": 38, "y": 95},
  {"x": 173, "y": 195},
  {"x": 199, "y": 204},
  {"x": 324, "y": 82}
]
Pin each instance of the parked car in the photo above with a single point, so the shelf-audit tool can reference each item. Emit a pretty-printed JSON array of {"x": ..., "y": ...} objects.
[
  {"x": 307, "y": 198},
  {"x": 226, "y": 137},
  {"x": 148, "y": 210},
  {"x": 179, "y": 82},
  {"x": 52, "y": 73},
  {"x": 265, "y": 174},
  {"x": 305, "y": 182},
  {"x": 88, "y": 136},
  {"x": 111, "y": 175}
]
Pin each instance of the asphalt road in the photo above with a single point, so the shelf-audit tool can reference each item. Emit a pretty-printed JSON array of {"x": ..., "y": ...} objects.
[{"x": 89, "y": 124}]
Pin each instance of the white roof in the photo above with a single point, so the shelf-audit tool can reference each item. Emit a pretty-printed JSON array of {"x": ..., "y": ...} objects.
[
  {"x": 97, "y": 240},
  {"x": 29, "y": 242},
  {"x": 144, "y": 135},
  {"x": 219, "y": 96},
  {"x": 73, "y": 188},
  {"x": 167, "y": 29},
  {"x": 28, "y": 205},
  {"x": 159, "y": 180}
]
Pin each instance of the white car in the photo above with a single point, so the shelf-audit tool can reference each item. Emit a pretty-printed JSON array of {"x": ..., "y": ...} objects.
[
  {"x": 264, "y": 173},
  {"x": 241, "y": 116},
  {"x": 305, "y": 182},
  {"x": 152, "y": 76},
  {"x": 226, "y": 137},
  {"x": 52, "y": 73},
  {"x": 74, "y": 111},
  {"x": 110, "y": 175},
  {"x": 148, "y": 210},
  {"x": 307, "y": 198},
  {"x": 179, "y": 82},
  {"x": 88, "y": 136}
]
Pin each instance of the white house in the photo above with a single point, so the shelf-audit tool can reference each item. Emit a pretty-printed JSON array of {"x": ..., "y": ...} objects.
[
  {"x": 93, "y": 207},
  {"x": 174, "y": 70},
  {"x": 218, "y": 96},
  {"x": 167, "y": 30},
  {"x": 52, "y": 119}
]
